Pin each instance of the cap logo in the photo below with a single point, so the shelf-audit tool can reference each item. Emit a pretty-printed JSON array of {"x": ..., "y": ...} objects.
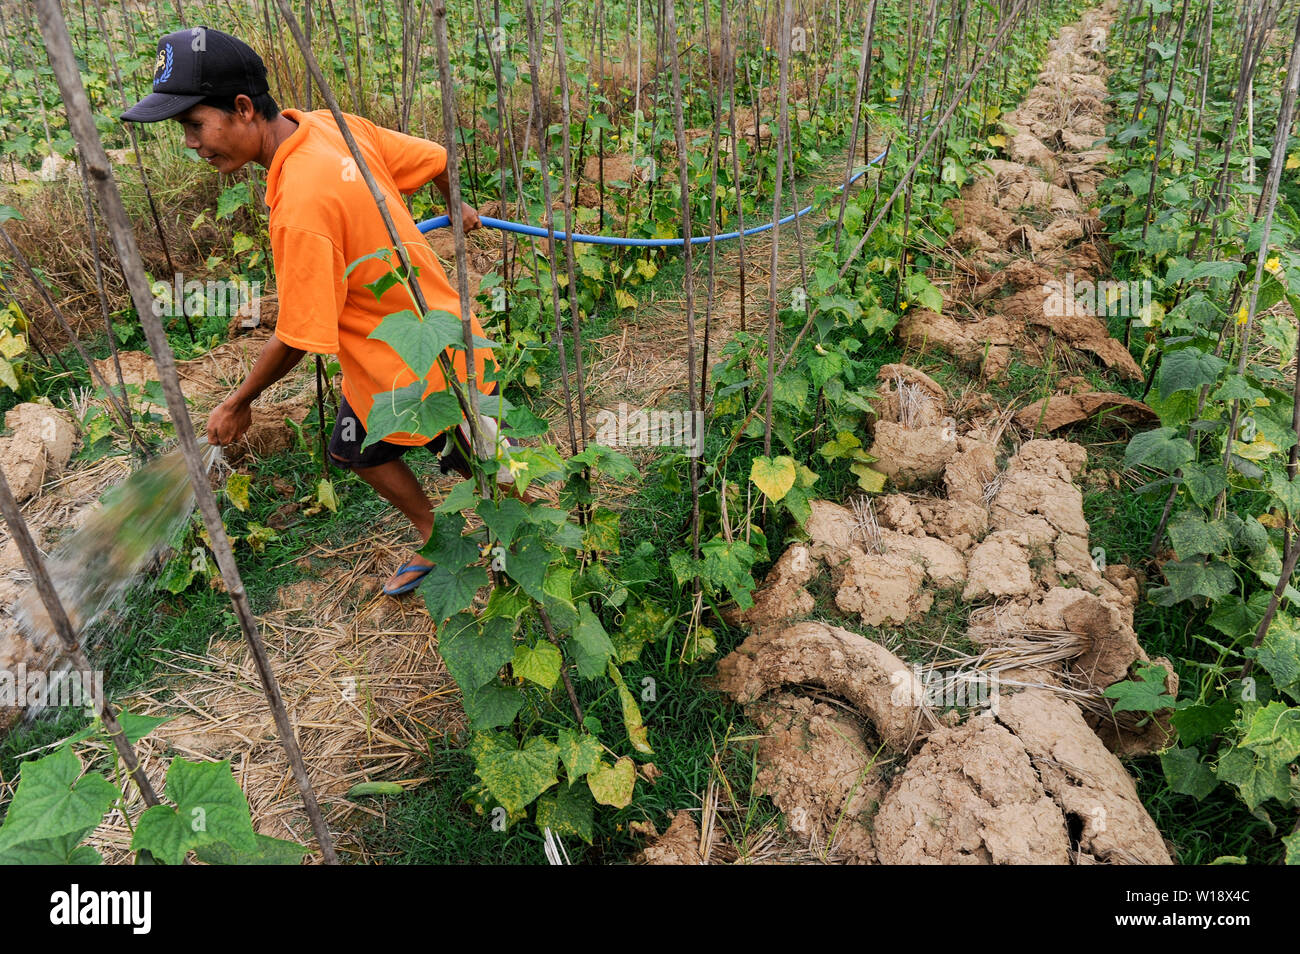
[{"x": 162, "y": 69}]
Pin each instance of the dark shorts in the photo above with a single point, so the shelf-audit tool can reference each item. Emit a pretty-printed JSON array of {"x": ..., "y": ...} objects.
[{"x": 349, "y": 434}]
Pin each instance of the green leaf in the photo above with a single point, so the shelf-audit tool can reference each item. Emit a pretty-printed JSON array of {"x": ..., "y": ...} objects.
[
  {"x": 419, "y": 341},
  {"x": 210, "y": 808},
  {"x": 62, "y": 850},
  {"x": 843, "y": 444},
  {"x": 1191, "y": 534},
  {"x": 1188, "y": 369},
  {"x": 1237, "y": 387},
  {"x": 447, "y": 591},
  {"x": 590, "y": 644},
  {"x": 557, "y": 591},
  {"x": 474, "y": 654},
  {"x": 269, "y": 851},
  {"x": 1225, "y": 269},
  {"x": 530, "y": 464},
  {"x": 1257, "y": 779},
  {"x": 513, "y": 776},
  {"x": 404, "y": 411},
  {"x": 232, "y": 199},
  {"x": 325, "y": 495},
  {"x": 492, "y": 706},
  {"x": 460, "y": 497},
  {"x": 502, "y": 518},
  {"x": 1292, "y": 843},
  {"x": 1161, "y": 448},
  {"x": 568, "y": 812},
  {"x": 1146, "y": 693},
  {"x": 643, "y": 623},
  {"x": 237, "y": 486},
  {"x": 1286, "y": 491},
  {"x": 609, "y": 462},
  {"x": 580, "y": 753},
  {"x": 1202, "y": 722},
  {"x": 447, "y": 545},
  {"x": 1279, "y": 654},
  {"x": 728, "y": 564},
  {"x": 921, "y": 290},
  {"x": 1187, "y": 774},
  {"x": 613, "y": 784},
  {"x": 1274, "y": 732},
  {"x": 528, "y": 562},
  {"x": 791, "y": 389},
  {"x": 53, "y": 799},
  {"x": 177, "y": 575},
  {"x": 136, "y": 727},
  {"x": 386, "y": 254},
  {"x": 602, "y": 532},
  {"x": 632, "y": 721},
  {"x": 1192, "y": 578},
  {"x": 540, "y": 663},
  {"x": 506, "y": 602},
  {"x": 1204, "y": 481},
  {"x": 524, "y": 423},
  {"x": 773, "y": 476}
]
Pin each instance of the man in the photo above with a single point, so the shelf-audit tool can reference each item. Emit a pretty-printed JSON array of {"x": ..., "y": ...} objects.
[{"x": 322, "y": 218}]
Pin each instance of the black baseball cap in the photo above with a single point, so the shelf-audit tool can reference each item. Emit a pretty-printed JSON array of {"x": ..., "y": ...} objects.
[{"x": 194, "y": 64}]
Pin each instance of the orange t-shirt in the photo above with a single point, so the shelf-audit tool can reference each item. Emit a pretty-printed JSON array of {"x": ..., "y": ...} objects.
[{"x": 322, "y": 219}]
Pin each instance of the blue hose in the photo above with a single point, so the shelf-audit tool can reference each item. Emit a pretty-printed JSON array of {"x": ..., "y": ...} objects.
[{"x": 442, "y": 221}]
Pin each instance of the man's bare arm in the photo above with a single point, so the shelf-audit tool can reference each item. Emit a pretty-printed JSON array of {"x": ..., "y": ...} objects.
[
  {"x": 468, "y": 213},
  {"x": 230, "y": 419}
]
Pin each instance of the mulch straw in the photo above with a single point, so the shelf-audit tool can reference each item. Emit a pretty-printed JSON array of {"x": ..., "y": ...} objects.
[{"x": 362, "y": 680}]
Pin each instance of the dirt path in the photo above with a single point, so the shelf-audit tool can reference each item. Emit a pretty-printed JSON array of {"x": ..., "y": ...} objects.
[{"x": 1000, "y": 747}]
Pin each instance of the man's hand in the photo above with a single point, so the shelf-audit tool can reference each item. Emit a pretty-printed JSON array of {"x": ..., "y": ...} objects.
[
  {"x": 233, "y": 416},
  {"x": 469, "y": 215},
  {"x": 229, "y": 420}
]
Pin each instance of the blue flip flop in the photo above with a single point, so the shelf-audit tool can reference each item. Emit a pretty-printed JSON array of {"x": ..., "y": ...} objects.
[{"x": 410, "y": 584}]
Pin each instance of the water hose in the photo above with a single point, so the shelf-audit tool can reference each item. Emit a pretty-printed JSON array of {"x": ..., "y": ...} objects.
[{"x": 442, "y": 221}]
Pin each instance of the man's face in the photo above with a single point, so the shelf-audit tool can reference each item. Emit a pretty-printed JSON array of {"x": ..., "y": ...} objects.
[{"x": 225, "y": 140}]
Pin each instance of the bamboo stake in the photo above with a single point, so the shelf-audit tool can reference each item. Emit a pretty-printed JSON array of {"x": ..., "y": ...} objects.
[
  {"x": 534, "y": 68},
  {"x": 679, "y": 131},
  {"x": 783, "y": 95},
  {"x": 566, "y": 194},
  {"x": 864, "y": 73}
]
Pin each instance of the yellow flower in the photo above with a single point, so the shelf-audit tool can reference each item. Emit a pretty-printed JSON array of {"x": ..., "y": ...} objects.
[
  {"x": 1273, "y": 265},
  {"x": 1242, "y": 315},
  {"x": 903, "y": 307},
  {"x": 891, "y": 99},
  {"x": 1142, "y": 113},
  {"x": 517, "y": 467}
]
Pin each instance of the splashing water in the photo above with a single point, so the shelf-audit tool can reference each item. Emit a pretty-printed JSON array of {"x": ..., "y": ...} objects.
[{"x": 93, "y": 567}]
